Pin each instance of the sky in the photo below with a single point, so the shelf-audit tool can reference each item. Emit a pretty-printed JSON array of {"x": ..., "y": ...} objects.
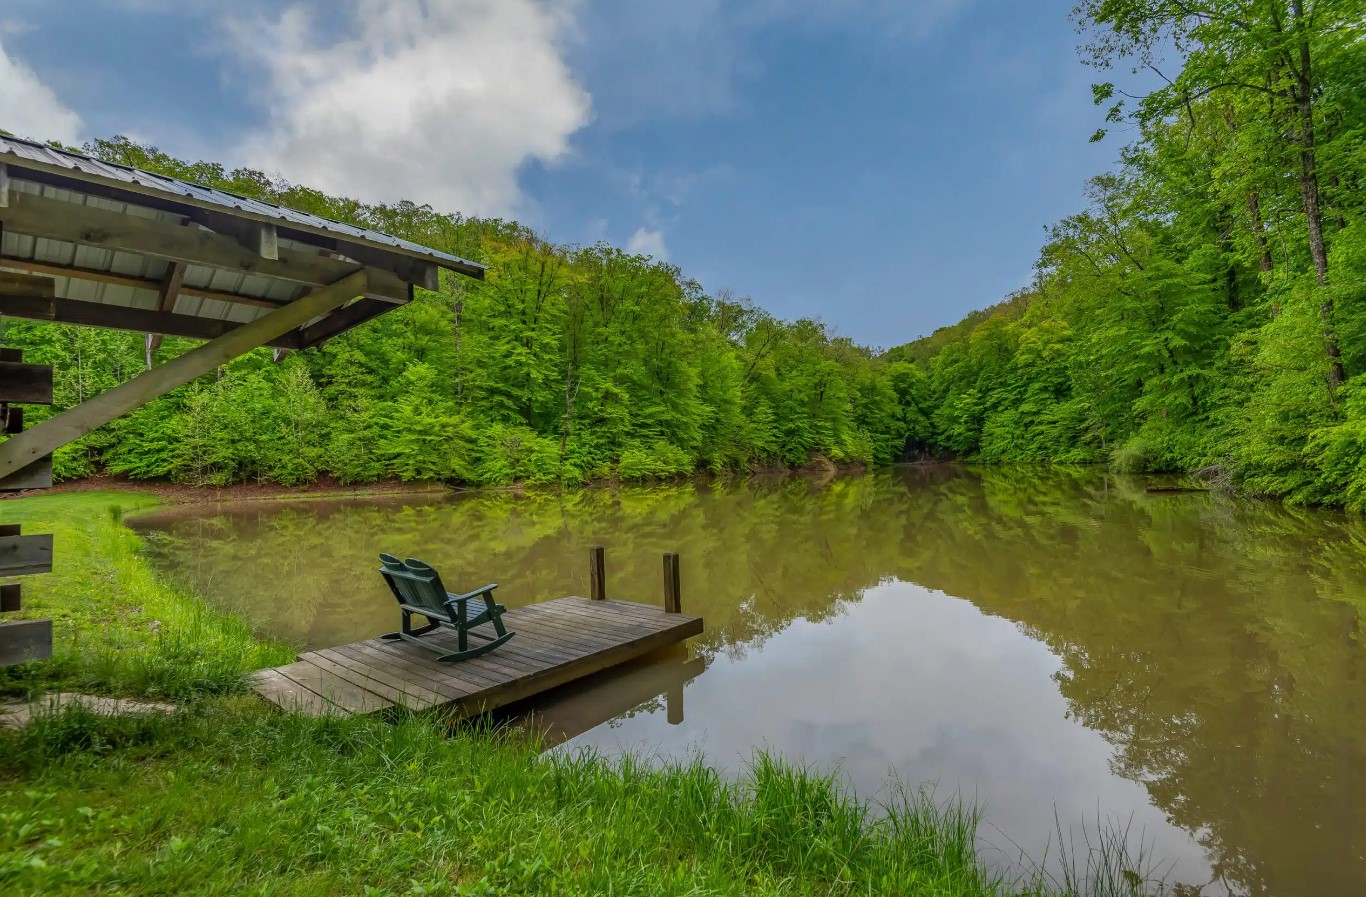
[{"x": 884, "y": 165}]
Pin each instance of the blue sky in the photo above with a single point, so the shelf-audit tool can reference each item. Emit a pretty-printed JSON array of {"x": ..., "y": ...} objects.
[{"x": 886, "y": 166}]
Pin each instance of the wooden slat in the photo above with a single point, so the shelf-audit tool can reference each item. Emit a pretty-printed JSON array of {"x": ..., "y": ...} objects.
[
  {"x": 288, "y": 695},
  {"x": 24, "y": 641},
  {"x": 25, "y": 555},
  {"x": 86, "y": 225},
  {"x": 346, "y": 696},
  {"x": 468, "y": 678},
  {"x": 400, "y": 666},
  {"x": 377, "y": 681},
  {"x": 11, "y": 598},
  {"x": 30, "y": 384},
  {"x": 37, "y": 475}
]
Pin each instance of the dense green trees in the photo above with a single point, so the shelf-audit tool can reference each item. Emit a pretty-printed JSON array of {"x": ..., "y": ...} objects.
[
  {"x": 1209, "y": 306},
  {"x": 566, "y": 364},
  {"x": 1206, "y": 310}
]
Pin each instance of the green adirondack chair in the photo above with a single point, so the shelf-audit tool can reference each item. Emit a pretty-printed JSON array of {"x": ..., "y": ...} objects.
[{"x": 418, "y": 589}]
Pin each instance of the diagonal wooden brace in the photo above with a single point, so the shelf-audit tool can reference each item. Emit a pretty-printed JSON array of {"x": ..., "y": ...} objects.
[{"x": 74, "y": 423}]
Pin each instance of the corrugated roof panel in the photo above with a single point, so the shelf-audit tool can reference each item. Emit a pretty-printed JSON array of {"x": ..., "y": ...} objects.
[
  {"x": 57, "y": 252},
  {"x": 74, "y": 288},
  {"x": 79, "y": 166}
]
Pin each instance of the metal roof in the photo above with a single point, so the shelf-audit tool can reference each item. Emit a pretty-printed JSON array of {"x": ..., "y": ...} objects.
[{"x": 27, "y": 154}]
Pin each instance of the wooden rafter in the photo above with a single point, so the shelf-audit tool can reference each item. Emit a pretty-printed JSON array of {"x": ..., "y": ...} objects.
[{"x": 168, "y": 294}]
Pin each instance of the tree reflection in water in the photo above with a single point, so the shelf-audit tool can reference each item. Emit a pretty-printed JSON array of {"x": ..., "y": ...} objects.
[{"x": 1213, "y": 644}]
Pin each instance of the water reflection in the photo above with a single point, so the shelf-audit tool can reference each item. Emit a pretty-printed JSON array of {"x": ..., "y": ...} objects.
[{"x": 1034, "y": 639}]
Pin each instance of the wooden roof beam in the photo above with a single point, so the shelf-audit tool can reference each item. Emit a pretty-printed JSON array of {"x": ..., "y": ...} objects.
[
  {"x": 141, "y": 283},
  {"x": 170, "y": 291},
  {"x": 343, "y": 319},
  {"x": 73, "y": 423},
  {"x": 121, "y": 317},
  {"x": 71, "y": 222}
]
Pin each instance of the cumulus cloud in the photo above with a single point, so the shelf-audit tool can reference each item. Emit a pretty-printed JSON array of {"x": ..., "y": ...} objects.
[
  {"x": 648, "y": 242},
  {"x": 29, "y": 108},
  {"x": 440, "y": 102}
]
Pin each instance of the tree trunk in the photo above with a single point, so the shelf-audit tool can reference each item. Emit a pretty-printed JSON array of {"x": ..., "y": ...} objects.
[
  {"x": 1254, "y": 211},
  {"x": 1310, "y": 198}
]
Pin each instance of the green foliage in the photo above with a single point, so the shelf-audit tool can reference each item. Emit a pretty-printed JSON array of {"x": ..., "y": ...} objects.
[
  {"x": 118, "y": 628},
  {"x": 565, "y": 365},
  {"x": 1209, "y": 306}
]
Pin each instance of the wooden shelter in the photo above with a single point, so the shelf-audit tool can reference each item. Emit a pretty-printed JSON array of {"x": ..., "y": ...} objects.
[{"x": 86, "y": 242}]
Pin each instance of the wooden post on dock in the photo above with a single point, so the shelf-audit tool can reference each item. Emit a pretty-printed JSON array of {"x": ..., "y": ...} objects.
[
  {"x": 597, "y": 573},
  {"x": 673, "y": 601}
]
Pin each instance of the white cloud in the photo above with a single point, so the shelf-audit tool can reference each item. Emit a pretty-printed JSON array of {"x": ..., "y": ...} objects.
[
  {"x": 437, "y": 102},
  {"x": 648, "y": 242},
  {"x": 29, "y": 108}
]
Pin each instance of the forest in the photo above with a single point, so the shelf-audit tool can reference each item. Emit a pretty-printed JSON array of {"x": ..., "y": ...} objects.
[
  {"x": 1206, "y": 312},
  {"x": 567, "y": 364}
]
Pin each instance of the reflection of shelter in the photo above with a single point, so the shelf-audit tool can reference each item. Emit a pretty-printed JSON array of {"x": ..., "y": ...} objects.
[
  {"x": 575, "y": 708},
  {"x": 86, "y": 242}
]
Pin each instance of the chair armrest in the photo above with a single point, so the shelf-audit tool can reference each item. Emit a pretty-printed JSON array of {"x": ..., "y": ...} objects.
[{"x": 452, "y": 598}]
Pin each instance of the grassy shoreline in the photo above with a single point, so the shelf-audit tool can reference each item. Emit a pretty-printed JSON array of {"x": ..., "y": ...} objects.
[{"x": 227, "y": 797}]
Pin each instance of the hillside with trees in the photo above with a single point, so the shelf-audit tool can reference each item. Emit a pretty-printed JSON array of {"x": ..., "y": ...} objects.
[
  {"x": 1208, "y": 308},
  {"x": 1206, "y": 311},
  {"x": 566, "y": 364}
]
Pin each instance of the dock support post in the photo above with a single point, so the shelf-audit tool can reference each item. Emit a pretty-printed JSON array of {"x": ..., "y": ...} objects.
[
  {"x": 673, "y": 602},
  {"x": 597, "y": 574}
]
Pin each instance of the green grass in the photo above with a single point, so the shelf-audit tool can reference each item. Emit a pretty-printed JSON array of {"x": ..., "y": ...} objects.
[
  {"x": 118, "y": 628},
  {"x": 228, "y": 797}
]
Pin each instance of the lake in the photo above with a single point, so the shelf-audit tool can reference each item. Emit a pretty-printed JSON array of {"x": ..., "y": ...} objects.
[{"x": 1060, "y": 646}]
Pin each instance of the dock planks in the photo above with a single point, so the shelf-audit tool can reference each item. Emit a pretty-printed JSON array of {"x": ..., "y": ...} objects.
[{"x": 557, "y": 642}]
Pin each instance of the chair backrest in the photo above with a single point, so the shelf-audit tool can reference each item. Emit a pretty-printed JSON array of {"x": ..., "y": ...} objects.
[{"x": 413, "y": 582}]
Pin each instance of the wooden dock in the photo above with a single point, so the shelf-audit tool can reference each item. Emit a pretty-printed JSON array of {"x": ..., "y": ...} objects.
[{"x": 557, "y": 642}]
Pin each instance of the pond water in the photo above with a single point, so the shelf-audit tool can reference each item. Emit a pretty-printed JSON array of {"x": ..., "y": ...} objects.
[{"x": 1062, "y": 647}]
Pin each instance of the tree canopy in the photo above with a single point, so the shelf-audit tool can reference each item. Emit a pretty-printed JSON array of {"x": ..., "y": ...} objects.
[{"x": 1208, "y": 307}]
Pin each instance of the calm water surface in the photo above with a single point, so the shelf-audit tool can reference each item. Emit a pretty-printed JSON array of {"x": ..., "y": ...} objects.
[{"x": 1061, "y": 647}]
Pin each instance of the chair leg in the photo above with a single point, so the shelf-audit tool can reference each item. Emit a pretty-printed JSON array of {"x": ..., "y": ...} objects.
[{"x": 407, "y": 628}]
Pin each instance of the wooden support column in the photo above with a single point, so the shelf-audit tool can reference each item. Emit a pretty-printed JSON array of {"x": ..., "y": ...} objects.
[
  {"x": 76, "y": 422},
  {"x": 168, "y": 294},
  {"x": 597, "y": 573},
  {"x": 673, "y": 600}
]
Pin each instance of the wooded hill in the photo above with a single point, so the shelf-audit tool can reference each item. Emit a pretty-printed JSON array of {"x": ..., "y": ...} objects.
[
  {"x": 1209, "y": 306},
  {"x": 566, "y": 364},
  {"x": 1207, "y": 310}
]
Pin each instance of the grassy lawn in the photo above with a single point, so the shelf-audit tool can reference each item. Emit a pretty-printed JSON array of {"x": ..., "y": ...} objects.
[{"x": 228, "y": 797}]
